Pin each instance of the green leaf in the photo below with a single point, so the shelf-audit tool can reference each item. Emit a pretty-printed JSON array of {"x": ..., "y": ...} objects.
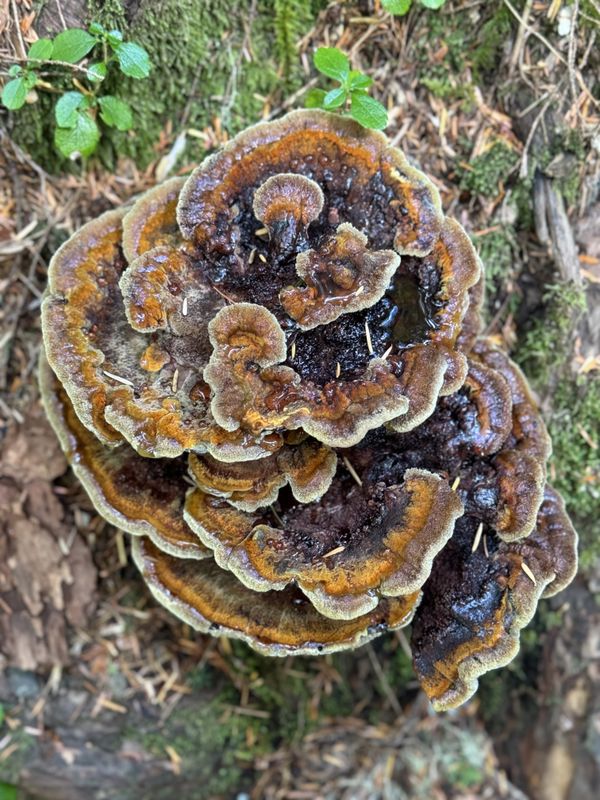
[
  {"x": 65, "y": 111},
  {"x": 41, "y": 50},
  {"x": 7, "y": 791},
  {"x": 15, "y": 71},
  {"x": 332, "y": 62},
  {"x": 115, "y": 38},
  {"x": 1, "y": 714},
  {"x": 335, "y": 98},
  {"x": 314, "y": 98},
  {"x": 96, "y": 28},
  {"x": 97, "y": 72},
  {"x": 30, "y": 79},
  {"x": 433, "y": 4},
  {"x": 82, "y": 138},
  {"x": 72, "y": 45},
  {"x": 14, "y": 94},
  {"x": 356, "y": 80},
  {"x": 368, "y": 111},
  {"x": 133, "y": 60},
  {"x": 115, "y": 112},
  {"x": 397, "y": 7}
]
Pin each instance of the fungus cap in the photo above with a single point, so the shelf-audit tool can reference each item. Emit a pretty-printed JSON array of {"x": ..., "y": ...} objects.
[
  {"x": 354, "y": 243},
  {"x": 271, "y": 374}
]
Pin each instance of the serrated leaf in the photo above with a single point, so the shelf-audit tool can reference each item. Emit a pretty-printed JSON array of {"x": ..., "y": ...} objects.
[
  {"x": 41, "y": 50},
  {"x": 356, "y": 80},
  {"x": 72, "y": 45},
  {"x": 335, "y": 98},
  {"x": 133, "y": 60},
  {"x": 397, "y": 7},
  {"x": 332, "y": 62},
  {"x": 115, "y": 112},
  {"x": 14, "y": 94},
  {"x": 65, "y": 111},
  {"x": 82, "y": 138},
  {"x": 97, "y": 72},
  {"x": 433, "y": 4},
  {"x": 314, "y": 98},
  {"x": 368, "y": 111}
]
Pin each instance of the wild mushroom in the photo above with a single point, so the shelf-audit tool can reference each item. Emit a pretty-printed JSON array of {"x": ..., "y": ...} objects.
[
  {"x": 357, "y": 543},
  {"x": 211, "y": 600},
  {"x": 143, "y": 496},
  {"x": 312, "y": 198},
  {"x": 271, "y": 375},
  {"x": 478, "y": 599},
  {"x": 308, "y": 468}
]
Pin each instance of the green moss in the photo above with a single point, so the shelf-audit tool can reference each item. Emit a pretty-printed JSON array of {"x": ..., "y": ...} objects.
[
  {"x": 208, "y": 738},
  {"x": 8, "y": 791},
  {"x": 569, "y": 147},
  {"x": 589, "y": 16},
  {"x": 497, "y": 249},
  {"x": 201, "y": 678},
  {"x": 197, "y": 50},
  {"x": 487, "y": 171},
  {"x": 521, "y": 199},
  {"x": 574, "y": 422},
  {"x": 443, "y": 30},
  {"x": 284, "y": 689},
  {"x": 450, "y": 88},
  {"x": 292, "y": 20},
  {"x": 546, "y": 346},
  {"x": 490, "y": 40}
]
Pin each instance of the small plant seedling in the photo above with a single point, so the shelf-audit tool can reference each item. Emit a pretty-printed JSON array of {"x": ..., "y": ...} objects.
[
  {"x": 77, "y": 111},
  {"x": 350, "y": 95},
  {"x": 401, "y": 7}
]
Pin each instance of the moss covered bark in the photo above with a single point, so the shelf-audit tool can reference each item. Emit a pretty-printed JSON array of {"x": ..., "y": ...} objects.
[{"x": 215, "y": 58}]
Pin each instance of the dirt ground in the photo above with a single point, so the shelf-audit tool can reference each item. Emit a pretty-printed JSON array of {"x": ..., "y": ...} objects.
[{"x": 101, "y": 691}]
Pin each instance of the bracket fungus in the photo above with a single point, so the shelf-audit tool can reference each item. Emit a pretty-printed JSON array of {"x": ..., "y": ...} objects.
[{"x": 271, "y": 374}]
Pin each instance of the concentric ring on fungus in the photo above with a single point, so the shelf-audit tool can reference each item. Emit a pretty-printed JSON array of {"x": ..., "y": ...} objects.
[
  {"x": 271, "y": 374},
  {"x": 310, "y": 219},
  {"x": 471, "y": 615},
  {"x": 124, "y": 385},
  {"x": 212, "y": 601},
  {"x": 143, "y": 496},
  {"x": 390, "y": 508}
]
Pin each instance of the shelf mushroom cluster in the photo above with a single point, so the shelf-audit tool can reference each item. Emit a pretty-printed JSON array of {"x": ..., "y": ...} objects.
[{"x": 270, "y": 374}]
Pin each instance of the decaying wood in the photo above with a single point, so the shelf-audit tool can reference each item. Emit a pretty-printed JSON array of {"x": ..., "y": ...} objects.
[{"x": 553, "y": 227}]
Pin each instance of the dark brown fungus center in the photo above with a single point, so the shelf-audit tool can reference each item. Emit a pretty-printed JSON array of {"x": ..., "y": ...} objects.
[{"x": 404, "y": 316}]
